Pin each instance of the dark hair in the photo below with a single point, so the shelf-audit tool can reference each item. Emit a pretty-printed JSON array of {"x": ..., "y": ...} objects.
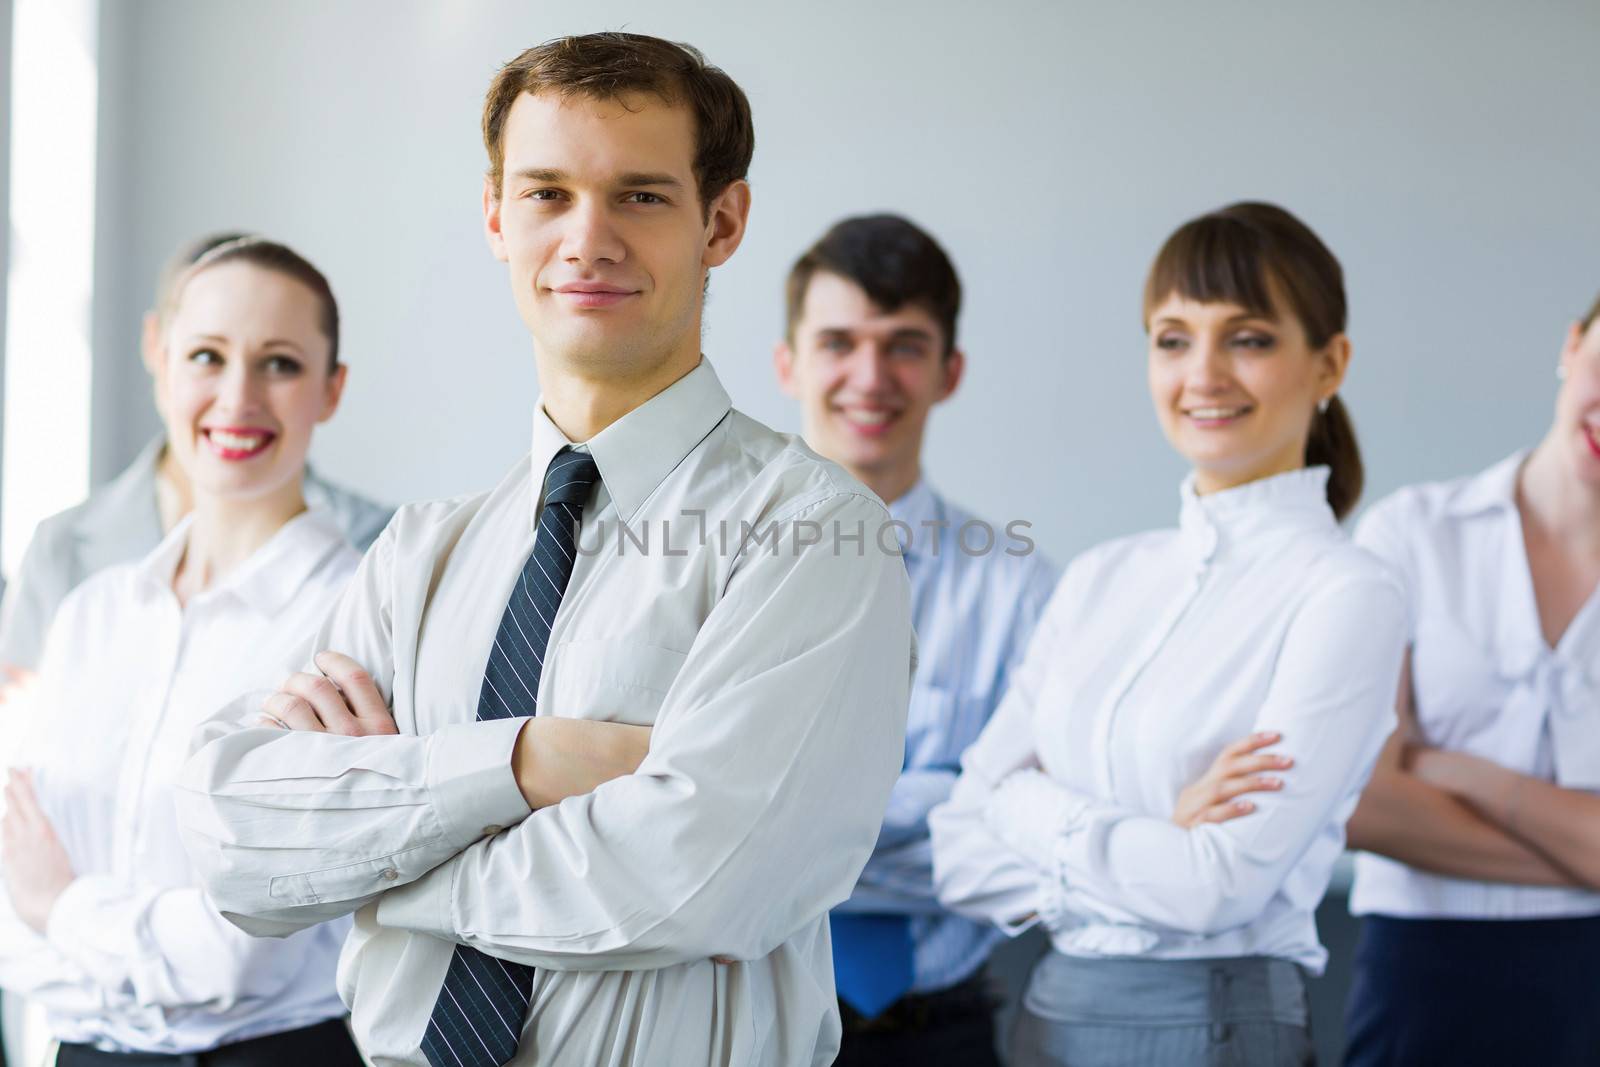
[
  {"x": 893, "y": 260},
  {"x": 1237, "y": 255},
  {"x": 268, "y": 255},
  {"x": 1594, "y": 313},
  {"x": 605, "y": 66}
]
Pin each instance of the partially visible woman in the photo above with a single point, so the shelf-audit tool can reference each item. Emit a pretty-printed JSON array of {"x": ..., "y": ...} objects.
[
  {"x": 102, "y": 920},
  {"x": 1190, "y": 945},
  {"x": 1481, "y": 892}
]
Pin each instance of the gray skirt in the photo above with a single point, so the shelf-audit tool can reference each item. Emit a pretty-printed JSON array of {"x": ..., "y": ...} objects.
[{"x": 1081, "y": 1012}]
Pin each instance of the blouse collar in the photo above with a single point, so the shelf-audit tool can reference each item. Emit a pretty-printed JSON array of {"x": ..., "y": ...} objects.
[{"x": 1294, "y": 500}]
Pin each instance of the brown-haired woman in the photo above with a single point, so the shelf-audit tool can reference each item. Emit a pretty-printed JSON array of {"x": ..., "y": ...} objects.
[
  {"x": 1482, "y": 926},
  {"x": 1190, "y": 945}
]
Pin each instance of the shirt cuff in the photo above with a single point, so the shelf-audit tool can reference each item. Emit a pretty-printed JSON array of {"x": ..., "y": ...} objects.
[
  {"x": 470, "y": 780},
  {"x": 75, "y": 911},
  {"x": 425, "y": 906},
  {"x": 1030, "y": 814}
]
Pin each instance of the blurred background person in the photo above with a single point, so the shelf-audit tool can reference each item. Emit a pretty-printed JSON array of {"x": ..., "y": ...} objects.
[
  {"x": 102, "y": 921},
  {"x": 870, "y": 349},
  {"x": 1481, "y": 886},
  {"x": 1173, "y": 944},
  {"x": 126, "y": 518}
]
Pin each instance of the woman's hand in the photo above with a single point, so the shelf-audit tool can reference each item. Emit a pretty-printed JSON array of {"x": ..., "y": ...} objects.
[
  {"x": 37, "y": 870},
  {"x": 1240, "y": 769}
]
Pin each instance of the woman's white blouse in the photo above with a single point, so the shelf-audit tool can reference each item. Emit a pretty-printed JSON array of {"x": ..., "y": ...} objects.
[
  {"x": 134, "y": 955},
  {"x": 1156, "y": 651},
  {"x": 1483, "y": 678}
]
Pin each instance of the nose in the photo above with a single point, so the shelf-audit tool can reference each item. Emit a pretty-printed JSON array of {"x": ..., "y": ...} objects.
[
  {"x": 591, "y": 237},
  {"x": 869, "y": 368},
  {"x": 240, "y": 390},
  {"x": 1209, "y": 371}
]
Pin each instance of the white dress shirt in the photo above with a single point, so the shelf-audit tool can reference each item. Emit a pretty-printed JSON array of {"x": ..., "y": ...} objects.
[
  {"x": 1156, "y": 651},
  {"x": 776, "y": 679},
  {"x": 134, "y": 957},
  {"x": 120, "y": 522},
  {"x": 1483, "y": 678}
]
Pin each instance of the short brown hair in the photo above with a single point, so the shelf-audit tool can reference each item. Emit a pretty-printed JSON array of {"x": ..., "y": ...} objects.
[
  {"x": 280, "y": 258},
  {"x": 1233, "y": 255},
  {"x": 606, "y": 66},
  {"x": 893, "y": 260}
]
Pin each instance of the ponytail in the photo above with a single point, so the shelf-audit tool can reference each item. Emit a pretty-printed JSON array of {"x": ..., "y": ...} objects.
[{"x": 1333, "y": 444}]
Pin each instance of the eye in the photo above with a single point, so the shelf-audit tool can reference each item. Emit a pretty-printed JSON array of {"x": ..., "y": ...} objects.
[
  {"x": 546, "y": 195},
  {"x": 1254, "y": 340},
  {"x": 908, "y": 349},
  {"x": 837, "y": 344},
  {"x": 205, "y": 357},
  {"x": 1172, "y": 342},
  {"x": 644, "y": 198},
  {"x": 283, "y": 366}
]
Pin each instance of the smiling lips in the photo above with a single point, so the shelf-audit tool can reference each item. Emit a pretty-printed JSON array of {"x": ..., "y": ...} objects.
[
  {"x": 868, "y": 422},
  {"x": 1216, "y": 417},
  {"x": 587, "y": 295},
  {"x": 1591, "y": 435},
  {"x": 238, "y": 442}
]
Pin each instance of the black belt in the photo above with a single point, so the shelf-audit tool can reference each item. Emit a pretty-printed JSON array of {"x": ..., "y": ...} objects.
[
  {"x": 923, "y": 1011},
  {"x": 325, "y": 1044}
]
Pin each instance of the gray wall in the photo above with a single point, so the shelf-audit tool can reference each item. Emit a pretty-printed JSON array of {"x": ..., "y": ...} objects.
[{"x": 1447, "y": 153}]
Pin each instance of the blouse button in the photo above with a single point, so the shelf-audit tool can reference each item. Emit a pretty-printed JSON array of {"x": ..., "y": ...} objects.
[{"x": 388, "y": 874}]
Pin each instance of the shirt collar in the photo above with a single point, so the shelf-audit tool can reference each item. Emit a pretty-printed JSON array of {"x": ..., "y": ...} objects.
[
  {"x": 269, "y": 579},
  {"x": 915, "y": 506},
  {"x": 1293, "y": 500},
  {"x": 1493, "y": 489},
  {"x": 639, "y": 450}
]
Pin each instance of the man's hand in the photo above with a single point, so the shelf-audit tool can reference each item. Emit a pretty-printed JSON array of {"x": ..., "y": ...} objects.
[
  {"x": 343, "y": 699},
  {"x": 37, "y": 870},
  {"x": 1238, "y": 770},
  {"x": 559, "y": 758}
]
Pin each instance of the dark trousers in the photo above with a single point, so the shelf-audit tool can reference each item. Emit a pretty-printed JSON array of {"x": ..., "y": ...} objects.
[
  {"x": 1468, "y": 992},
  {"x": 950, "y": 1028},
  {"x": 327, "y": 1044}
]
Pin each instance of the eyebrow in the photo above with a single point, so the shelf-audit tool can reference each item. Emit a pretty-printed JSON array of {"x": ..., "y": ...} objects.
[
  {"x": 556, "y": 177},
  {"x": 1249, "y": 316},
  {"x": 902, "y": 333},
  {"x": 275, "y": 342}
]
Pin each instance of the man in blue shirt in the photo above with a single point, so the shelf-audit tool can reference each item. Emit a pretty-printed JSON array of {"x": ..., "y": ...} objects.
[{"x": 869, "y": 351}]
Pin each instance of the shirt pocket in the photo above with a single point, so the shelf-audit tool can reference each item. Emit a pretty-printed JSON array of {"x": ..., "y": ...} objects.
[
  {"x": 1456, "y": 683},
  {"x": 610, "y": 680}
]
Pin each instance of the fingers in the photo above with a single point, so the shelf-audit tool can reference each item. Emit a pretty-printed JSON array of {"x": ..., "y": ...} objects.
[
  {"x": 1233, "y": 809},
  {"x": 361, "y": 693},
  {"x": 289, "y": 712},
  {"x": 1230, "y": 788},
  {"x": 1243, "y": 766},
  {"x": 1252, "y": 742}
]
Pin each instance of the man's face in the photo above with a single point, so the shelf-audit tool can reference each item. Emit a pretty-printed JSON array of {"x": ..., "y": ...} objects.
[
  {"x": 865, "y": 378},
  {"x": 600, "y": 220}
]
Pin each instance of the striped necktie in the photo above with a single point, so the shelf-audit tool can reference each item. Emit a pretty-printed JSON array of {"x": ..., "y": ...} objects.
[{"x": 477, "y": 1018}]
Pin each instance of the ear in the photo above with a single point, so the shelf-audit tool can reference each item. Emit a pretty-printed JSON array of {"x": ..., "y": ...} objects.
[
  {"x": 1335, "y": 360},
  {"x": 1574, "y": 341},
  {"x": 955, "y": 367},
  {"x": 783, "y": 363},
  {"x": 150, "y": 344},
  {"x": 335, "y": 392},
  {"x": 725, "y": 226},
  {"x": 491, "y": 219}
]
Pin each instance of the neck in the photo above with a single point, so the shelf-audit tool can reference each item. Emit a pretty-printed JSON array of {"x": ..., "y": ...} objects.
[
  {"x": 227, "y": 531},
  {"x": 890, "y": 483},
  {"x": 1215, "y": 481},
  {"x": 1559, "y": 503},
  {"x": 582, "y": 401}
]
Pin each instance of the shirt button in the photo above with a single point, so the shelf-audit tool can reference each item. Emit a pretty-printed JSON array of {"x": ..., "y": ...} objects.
[
  {"x": 388, "y": 874},
  {"x": 491, "y": 830}
]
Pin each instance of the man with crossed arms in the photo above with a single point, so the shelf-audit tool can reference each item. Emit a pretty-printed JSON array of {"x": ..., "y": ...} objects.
[{"x": 515, "y": 905}]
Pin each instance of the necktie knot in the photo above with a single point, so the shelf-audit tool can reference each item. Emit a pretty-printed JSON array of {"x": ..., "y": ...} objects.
[{"x": 570, "y": 477}]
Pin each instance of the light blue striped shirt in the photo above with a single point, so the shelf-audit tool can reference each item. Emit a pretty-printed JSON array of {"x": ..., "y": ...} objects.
[{"x": 973, "y": 611}]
